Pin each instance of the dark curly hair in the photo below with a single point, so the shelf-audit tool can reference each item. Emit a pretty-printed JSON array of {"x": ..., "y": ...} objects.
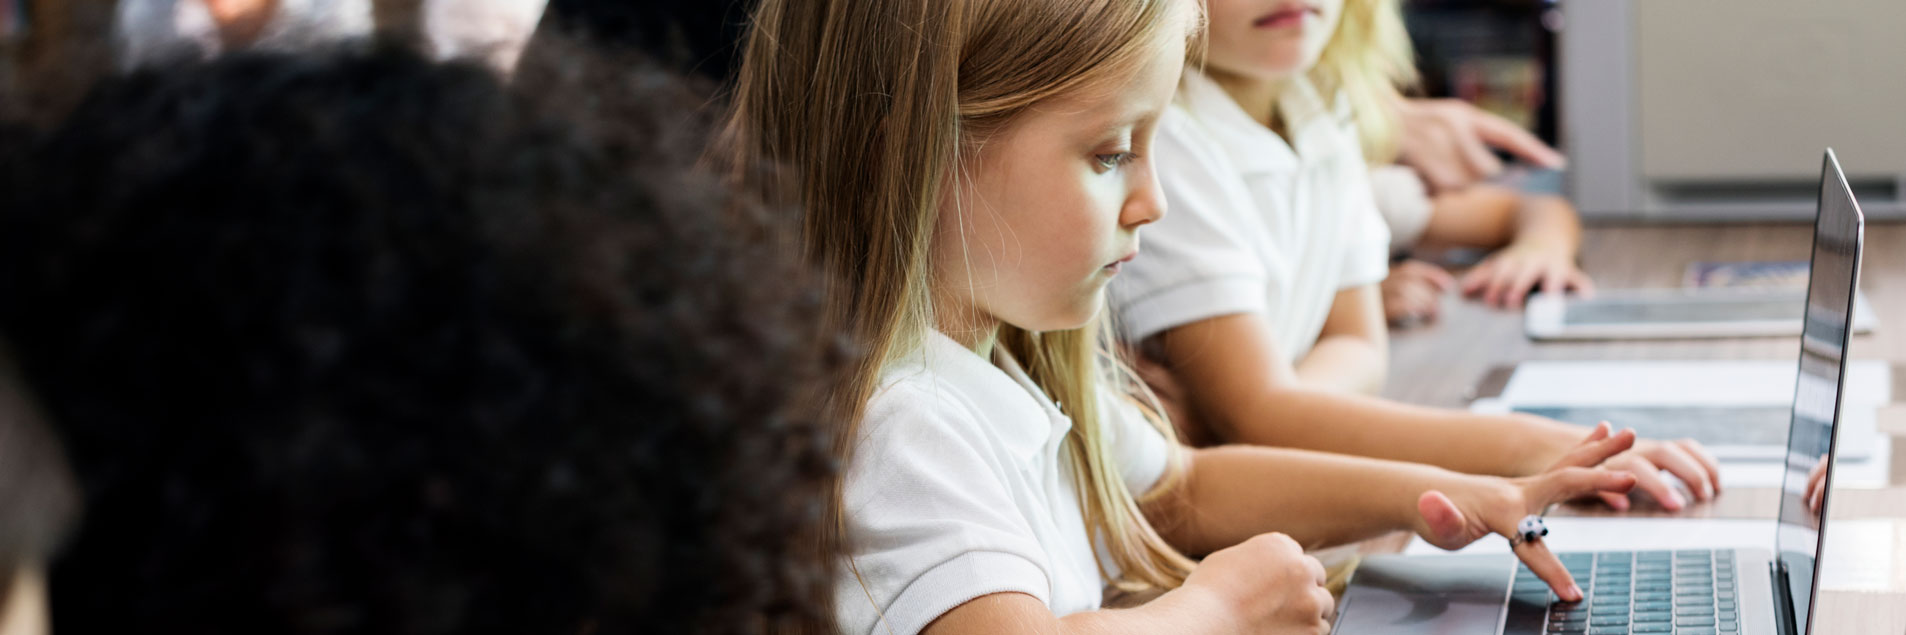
[{"x": 352, "y": 342}]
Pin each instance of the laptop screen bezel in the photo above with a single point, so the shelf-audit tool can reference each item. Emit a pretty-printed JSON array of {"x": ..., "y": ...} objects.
[{"x": 1833, "y": 184}]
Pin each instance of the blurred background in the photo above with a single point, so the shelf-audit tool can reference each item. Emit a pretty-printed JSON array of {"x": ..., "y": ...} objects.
[{"x": 1709, "y": 110}]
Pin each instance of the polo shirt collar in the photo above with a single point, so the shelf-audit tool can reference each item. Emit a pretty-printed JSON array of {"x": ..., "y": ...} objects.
[
  {"x": 1249, "y": 143},
  {"x": 1002, "y": 392}
]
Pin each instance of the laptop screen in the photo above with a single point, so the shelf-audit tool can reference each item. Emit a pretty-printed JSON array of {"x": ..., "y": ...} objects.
[{"x": 1816, "y": 405}]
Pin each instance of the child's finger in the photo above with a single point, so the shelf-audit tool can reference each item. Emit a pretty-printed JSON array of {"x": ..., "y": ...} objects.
[
  {"x": 1584, "y": 286},
  {"x": 1555, "y": 282},
  {"x": 1505, "y": 134},
  {"x": 1617, "y": 502},
  {"x": 1498, "y": 295},
  {"x": 1678, "y": 462},
  {"x": 1477, "y": 278},
  {"x": 1523, "y": 283},
  {"x": 1600, "y": 432},
  {"x": 1569, "y": 483},
  {"x": 1439, "y": 278},
  {"x": 1482, "y": 160},
  {"x": 1546, "y": 566},
  {"x": 1648, "y": 480},
  {"x": 1706, "y": 459},
  {"x": 1601, "y": 445}
]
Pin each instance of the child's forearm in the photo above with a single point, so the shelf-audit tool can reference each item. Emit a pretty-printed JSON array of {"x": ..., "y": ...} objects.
[
  {"x": 1352, "y": 353},
  {"x": 1344, "y": 364},
  {"x": 1231, "y": 493},
  {"x": 1183, "y": 610},
  {"x": 1501, "y": 445},
  {"x": 1549, "y": 222}
]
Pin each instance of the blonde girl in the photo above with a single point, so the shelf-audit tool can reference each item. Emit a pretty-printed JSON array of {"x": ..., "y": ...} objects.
[
  {"x": 972, "y": 174},
  {"x": 1256, "y": 309}
]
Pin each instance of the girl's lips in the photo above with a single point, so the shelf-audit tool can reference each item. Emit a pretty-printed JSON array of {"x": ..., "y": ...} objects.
[
  {"x": 1115, "y": 266},
  {"x": 1289, "y": 16}
]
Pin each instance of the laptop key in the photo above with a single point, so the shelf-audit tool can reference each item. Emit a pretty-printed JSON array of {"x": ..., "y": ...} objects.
[
  {"x": 1652, "y": 628},
  {"x": 1524, "y": 618},
  {"x": 1730, "y": 626},
  {"x": 1694, "y": 620},
  {"x": 1694, "y": 610},
  {"x": 1608, "y": 620},
  {"x": 1699, "y": 630},
  {"x": 1652, "y": 616},
  {"x": 1653, "y": 606}
]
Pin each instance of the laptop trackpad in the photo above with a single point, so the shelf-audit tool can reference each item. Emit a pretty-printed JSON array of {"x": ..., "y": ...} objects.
[{"x": 1436, "y": 595}]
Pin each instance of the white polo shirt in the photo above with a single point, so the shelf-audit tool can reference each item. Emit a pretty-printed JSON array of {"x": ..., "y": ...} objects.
[
  {"x": 959, "y": 488},
  {"x": 1256, "y": 225},
  {"x": 1404, "y": 202}
]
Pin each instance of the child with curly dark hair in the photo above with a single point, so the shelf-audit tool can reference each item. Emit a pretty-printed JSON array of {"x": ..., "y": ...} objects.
[{"x": 351, "y": 342}]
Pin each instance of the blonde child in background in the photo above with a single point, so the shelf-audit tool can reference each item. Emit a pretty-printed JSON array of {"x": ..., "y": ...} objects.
[
  {"x": 1256, "y": 311},
  {"x": 973, "y": 175}
]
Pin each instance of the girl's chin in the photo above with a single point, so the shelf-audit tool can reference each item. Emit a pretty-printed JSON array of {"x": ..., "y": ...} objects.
[{"x": 1067, "y": 318}]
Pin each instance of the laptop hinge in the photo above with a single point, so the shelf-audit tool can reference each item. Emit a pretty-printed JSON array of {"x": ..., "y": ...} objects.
[{"x": 1784, "y": 618}]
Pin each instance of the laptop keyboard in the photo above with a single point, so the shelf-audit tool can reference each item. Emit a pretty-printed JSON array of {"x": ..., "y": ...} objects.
[{"x": 1677, "y": 592}]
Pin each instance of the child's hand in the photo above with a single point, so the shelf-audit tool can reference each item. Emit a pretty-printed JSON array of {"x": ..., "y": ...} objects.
[
  {"x": 1414, "y": 290},
  {"x": 1685, "y": 459},
  {"x": 1266, "y": 585},
  {"x": 1472, "y": 507},
  {"x": 1506, "y": 277},
  {"x": 1816, "y": 494},
  {"x": 1448, "y": 141}
]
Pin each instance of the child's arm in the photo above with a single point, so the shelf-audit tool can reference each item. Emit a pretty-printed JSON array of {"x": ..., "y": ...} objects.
[
  {"x": 1352, "y": 352},
  {"x": 1263, "y": 585},
  {"x": 1232, "y": 380},
  {"x": 1539, "y": 235},
  {"x": 1449, "y": 141},
  {"x": 1548, "y": 235},
  {"x": 1230, "y": 493}
]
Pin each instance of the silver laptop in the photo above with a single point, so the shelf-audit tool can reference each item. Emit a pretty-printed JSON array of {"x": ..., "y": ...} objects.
[{"x": 1701, "y": 591}]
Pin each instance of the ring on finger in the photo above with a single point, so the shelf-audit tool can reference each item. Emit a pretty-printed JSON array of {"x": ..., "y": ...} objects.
[{"x": 1530, "y": 529}]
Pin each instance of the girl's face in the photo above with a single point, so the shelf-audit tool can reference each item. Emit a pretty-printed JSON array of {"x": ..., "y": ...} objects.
[
  {"x": 1269, "y": 39},
  {"x": 1046, "y": 210}
]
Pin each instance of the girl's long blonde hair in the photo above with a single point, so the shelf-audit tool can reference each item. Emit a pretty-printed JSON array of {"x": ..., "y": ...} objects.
[
  {"x": 874, "y": 103},
  {"x": 1369, "y": 60}
]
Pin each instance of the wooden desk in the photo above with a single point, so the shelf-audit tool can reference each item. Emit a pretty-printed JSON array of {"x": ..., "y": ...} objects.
[{"x": 1441, "y": 364}]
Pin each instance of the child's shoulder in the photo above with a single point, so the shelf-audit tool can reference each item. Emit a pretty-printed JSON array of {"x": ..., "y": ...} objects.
[{"x": 950, "y": 401}]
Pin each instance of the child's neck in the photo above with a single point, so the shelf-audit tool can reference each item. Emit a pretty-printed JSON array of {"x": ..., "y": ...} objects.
[
  {"x": 1255, "y": 95},
  {"x": 971, "y": 327}
]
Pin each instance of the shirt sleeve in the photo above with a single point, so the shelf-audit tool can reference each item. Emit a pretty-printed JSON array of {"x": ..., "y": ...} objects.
[
  {"x": 1142, "y": 452},
  {"x": 1404, "y": 203},
  {"x": 1193, "y": 264},
  {"x": 1366, "y": 237},
  {"x": 931, "y": 523}
]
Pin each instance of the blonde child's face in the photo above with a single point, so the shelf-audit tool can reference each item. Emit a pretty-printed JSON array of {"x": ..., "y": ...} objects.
[
  {"x": 1047, "y": 210},
  {"x": 1269, "y": 39}
]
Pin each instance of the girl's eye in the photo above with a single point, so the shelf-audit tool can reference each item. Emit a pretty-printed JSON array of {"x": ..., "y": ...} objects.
[{"x": 1112, "y": 161}]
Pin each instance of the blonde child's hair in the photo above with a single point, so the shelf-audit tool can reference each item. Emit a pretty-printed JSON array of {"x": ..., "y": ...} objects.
[
  {"x": 877, "y": 104},
  {"x": 1369, "y": 60}
]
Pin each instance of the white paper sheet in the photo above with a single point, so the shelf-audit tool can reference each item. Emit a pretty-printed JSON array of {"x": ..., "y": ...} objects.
[
  {"x": 1864, "y": 454},
  {"x": 1681, "y": 383}
]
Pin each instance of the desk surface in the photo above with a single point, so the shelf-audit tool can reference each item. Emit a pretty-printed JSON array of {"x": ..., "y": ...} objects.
[{"x": 1442, "y": 363}]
